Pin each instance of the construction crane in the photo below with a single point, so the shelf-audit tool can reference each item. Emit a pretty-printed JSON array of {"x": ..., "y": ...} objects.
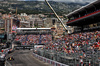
[{"x": 56, "y": 15}]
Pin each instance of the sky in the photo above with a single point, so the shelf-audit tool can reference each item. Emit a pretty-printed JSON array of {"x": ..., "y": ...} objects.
[{"x": 81, "y": 1}]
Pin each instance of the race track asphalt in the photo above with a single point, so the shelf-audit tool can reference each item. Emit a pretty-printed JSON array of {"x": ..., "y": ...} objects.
[{"x": 25, "y": 58}]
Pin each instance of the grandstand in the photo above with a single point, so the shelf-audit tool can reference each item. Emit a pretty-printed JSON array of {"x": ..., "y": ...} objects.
[
  {"x": 84, "y": 43},
  {"x": 29, "y": 36},
  {"x": 85, "y": 18}
]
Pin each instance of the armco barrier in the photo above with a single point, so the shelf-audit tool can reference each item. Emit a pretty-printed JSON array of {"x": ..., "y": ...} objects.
[
  {"x": 7, "y": 63},
  {"x": 46, "y": 60}
]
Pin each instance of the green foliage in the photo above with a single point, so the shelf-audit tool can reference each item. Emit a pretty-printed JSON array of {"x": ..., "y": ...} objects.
[{"x": 38, "y": 7}]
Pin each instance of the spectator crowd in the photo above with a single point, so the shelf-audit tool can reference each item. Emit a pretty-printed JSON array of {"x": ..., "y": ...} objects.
[
  {"x": 81, "y": 45},
  {"x": 36, "y": 39},
  {"x": 71, "y": 44}
]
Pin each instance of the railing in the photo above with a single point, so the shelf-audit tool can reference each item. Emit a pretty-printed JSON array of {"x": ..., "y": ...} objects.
[
  {"x": 7, "y": 63},
  {"x": 46, "y": 60},
  {"x": 72, "y": 59}
]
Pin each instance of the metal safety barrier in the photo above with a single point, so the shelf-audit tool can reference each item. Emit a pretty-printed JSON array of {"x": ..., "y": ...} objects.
[
  {"x": 7, "y": 63},
  {"x": 71, "y": 59},
  {"x": 46, "y": 60}
]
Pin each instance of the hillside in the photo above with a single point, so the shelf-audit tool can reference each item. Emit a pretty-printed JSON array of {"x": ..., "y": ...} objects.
[{"x": 35, "y": 7}]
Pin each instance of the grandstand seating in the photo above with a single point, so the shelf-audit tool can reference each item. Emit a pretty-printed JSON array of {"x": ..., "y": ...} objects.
[
  {"x": 28, "y": 39},
  {"x": 84, "y": 46}
]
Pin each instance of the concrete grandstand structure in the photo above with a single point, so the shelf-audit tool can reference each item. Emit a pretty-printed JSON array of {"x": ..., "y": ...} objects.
[
  {"x": 34, "y": 31},
  {"x": 86, "y": 17}
]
